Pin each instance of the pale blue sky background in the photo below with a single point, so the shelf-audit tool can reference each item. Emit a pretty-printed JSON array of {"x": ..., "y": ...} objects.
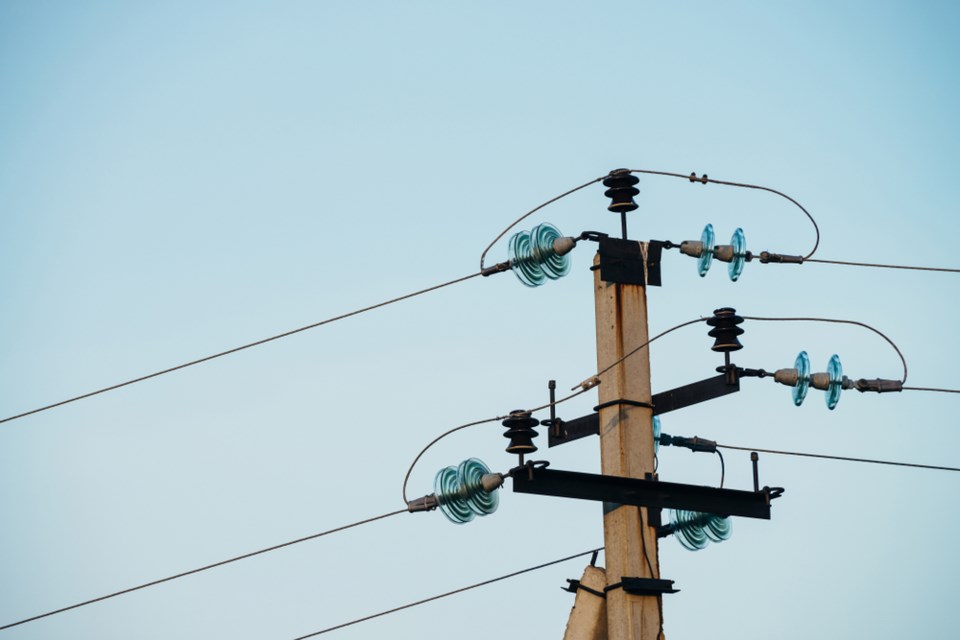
[{"x": 182, "y": 178}]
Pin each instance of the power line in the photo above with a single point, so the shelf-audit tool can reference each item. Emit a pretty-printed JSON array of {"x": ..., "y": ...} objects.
[
  {"x": 743, "y": 185},
  {"x": 448, "y": 593},
  {"x": 882, "y": 266},
  {"x": 533, "y": 211},
  {"x": 841, "y": 458},
  {"x": 931, "y": 389},
  {"x": 240, "y": 348},
  {"x": 839, "y": 321},
  {"x": 204, "y": 568}
]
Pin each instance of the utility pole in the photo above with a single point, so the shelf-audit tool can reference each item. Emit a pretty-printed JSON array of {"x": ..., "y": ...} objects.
[
  {"x": 626, "y": 450},
  {"x": 626, "y": 435},
  {"x": 633, "y": 497}
]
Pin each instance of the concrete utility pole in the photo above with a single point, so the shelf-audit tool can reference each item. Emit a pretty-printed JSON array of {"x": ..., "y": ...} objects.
[{"x": 626, "y": 449}]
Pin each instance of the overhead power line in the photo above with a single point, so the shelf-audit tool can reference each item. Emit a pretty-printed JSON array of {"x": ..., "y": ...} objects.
[
  {"x": 838, "y": 321},
  {"x": 841, "y": 458},
  {"x": 240, "y": 348},
  {"x": 448, "y": 593},
  {"x": 199, "y": 569},
  {"x": 882, "y": 266}
]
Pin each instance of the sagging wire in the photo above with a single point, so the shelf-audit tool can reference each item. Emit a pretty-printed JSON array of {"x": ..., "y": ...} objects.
[
  {"x": 241, "y": 348},
  {"x": 838, "y": 321},
  {"x": 200, "y": 569},
  {"x": 841, "y": 458},
  {"x": 883, "y": 266},
  {"x": 448, "y": 593}
]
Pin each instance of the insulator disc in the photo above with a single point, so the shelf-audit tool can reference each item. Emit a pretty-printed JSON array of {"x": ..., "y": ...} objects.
[
  {"x": 471, "y": 474},
  {"x": 706, "y": 255},
  {"x": 656, "y": 434},
  {"x": 835, "y": 371},
  {"x": 802, "y": 365},
  {"x": 739, "y": 244},
  {"x": 542, "y": 238},
  {"x": 687, "y": 529},
  {"x": 533, "y": 257},
  {"x": 452, "y": 502},
  {"x": 527, "y": 270},
  {"x": 694, "y": 529},
  {"x": 718, "y": 528}
]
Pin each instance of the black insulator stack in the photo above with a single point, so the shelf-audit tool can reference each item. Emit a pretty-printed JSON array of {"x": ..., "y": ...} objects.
[
  {"x": 520, "y": 431},
  {"x": 725, "y": 330},
  {"x": 621, "y": 190}
]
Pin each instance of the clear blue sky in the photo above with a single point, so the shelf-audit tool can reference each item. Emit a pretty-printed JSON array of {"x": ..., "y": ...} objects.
[{"x": 178, "y": 179}]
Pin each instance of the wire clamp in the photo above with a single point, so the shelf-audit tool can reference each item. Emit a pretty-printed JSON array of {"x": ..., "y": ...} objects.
[
  {"x": 630, "y": 403},
  {"x": 643, "y": 586},
  {"x": 702, "y": 180},
  {"x": 575, "y": 585}
]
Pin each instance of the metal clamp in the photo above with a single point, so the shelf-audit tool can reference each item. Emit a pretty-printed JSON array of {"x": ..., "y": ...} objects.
[{"x": 643, "y": 586}]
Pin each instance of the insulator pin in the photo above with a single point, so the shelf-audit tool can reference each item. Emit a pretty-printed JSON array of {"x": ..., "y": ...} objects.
[
  {"x": 621, "y": 191},
  {"x": 725, "y": 330},
  {"x": 520, "y": 431}
]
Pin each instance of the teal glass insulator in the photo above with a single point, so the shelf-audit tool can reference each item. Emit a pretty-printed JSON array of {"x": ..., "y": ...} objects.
[
  {"x": 451, "y": 497},
  {"x": 470, "y": 474},
  {"x": 694, "y": 529},
  {"x": 718, "y": 528},
  {"x": 707, "y": 240},
  {"x": 739, "y": 244},
  {"x": 835, "y": 372},
  {"x": 526, "y": 269},
  {"x": 656, "y": 434},
  {"x": 533, "y": 257},
  {"x": 542, "y": 237},
  {"x": 687, "y": 529},
  {"x": 802, "y": 365}
]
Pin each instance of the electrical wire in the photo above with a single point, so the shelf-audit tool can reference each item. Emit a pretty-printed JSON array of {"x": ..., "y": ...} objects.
[
  {"x": 838, "y": 321},
  {"x": 842, "y": 458},
  {"x": 704, "y": 180},
  {"x": 483, "y": 255},
  {"x": 448, "y": 593},
  {"x": 240, "y": 348},
  {"x": 443, "y": 435},
  {"x": 204, "y": 568},
  {"x": 931, "y": 389},
  {"x": 723, "y": 467},
  {"x": 883, "y": 266},
  {"x": 642, "y": 346}
]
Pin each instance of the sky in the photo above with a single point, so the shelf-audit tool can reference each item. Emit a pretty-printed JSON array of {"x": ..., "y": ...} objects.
[{"x": 178, "y": 179}]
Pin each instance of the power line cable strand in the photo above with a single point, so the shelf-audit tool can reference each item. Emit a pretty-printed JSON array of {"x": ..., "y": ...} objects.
[
  {"x": 839, "y": 321},
  {"x": 931, "y": 389},
  {"x": 841, "y": 458},
  {"x": 240, "y": 348},
  {"x": 883, "y": 266},
  {"x": 204, "y": 568},
  {"x": 448, "y": 593},
  {"x": 743, "y": 185},
  {"x": 483, "y": 255}
]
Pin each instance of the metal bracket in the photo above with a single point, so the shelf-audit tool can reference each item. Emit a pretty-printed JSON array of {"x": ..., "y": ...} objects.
[
  {"x": 645, "y": 493},
  {"x": 621, "y": 261},
  {"x": 643, "y": 586},
  {"x": 563, "y": 431},
  {"x": 654, "y": 251}
]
